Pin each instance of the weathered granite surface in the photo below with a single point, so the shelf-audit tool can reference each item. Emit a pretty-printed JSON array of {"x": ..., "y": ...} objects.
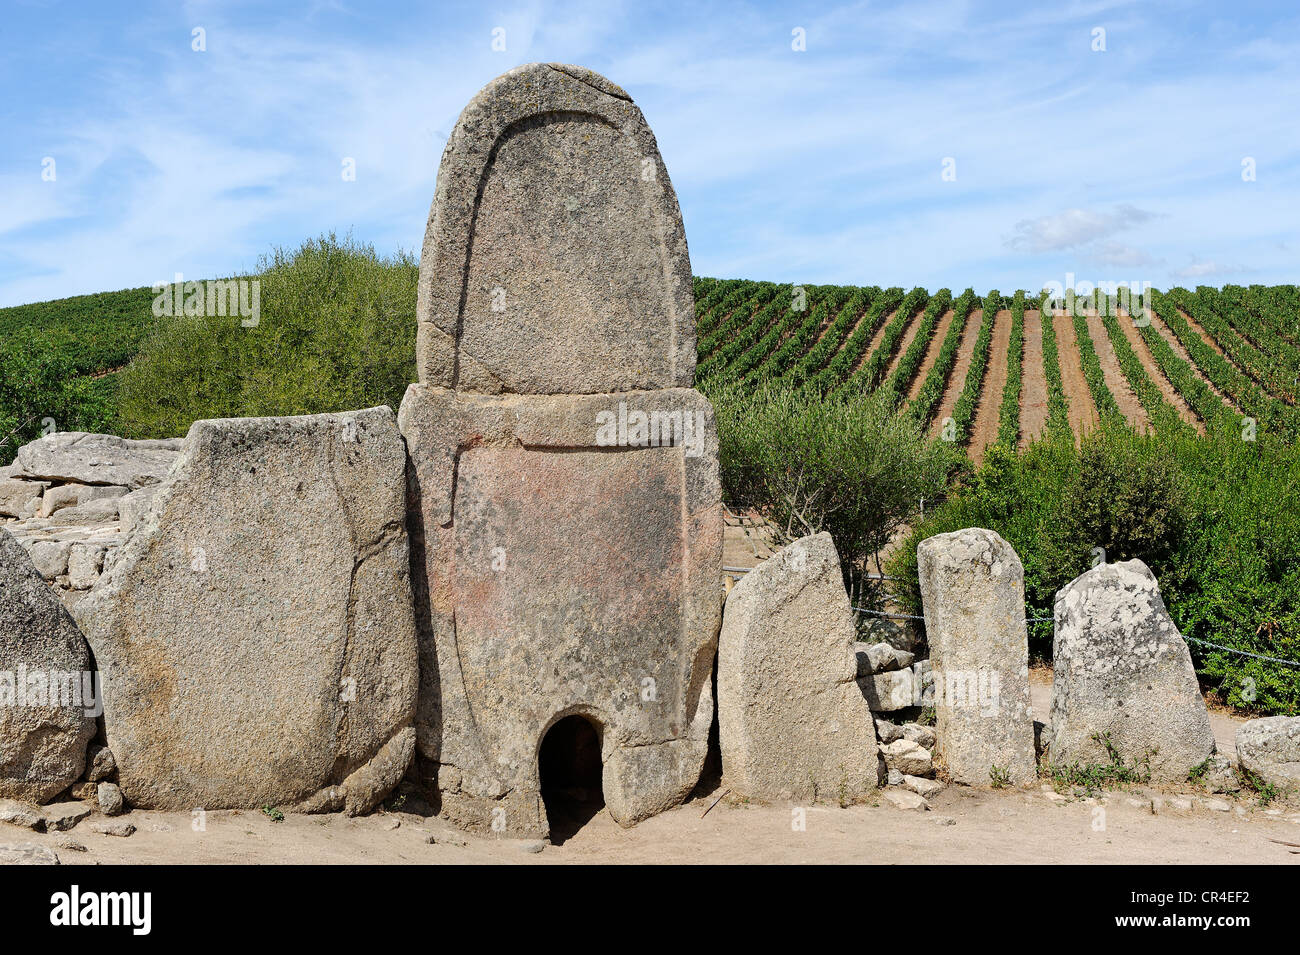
[
  {"x": 256, "y": 633},
  {"x": 568, "y": 559},
  {"x": 48, "y": 698}
]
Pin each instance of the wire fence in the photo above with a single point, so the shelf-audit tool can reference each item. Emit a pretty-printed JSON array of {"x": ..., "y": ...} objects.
[
  {"x": 911, "y": 616},
  {"x": 1038, "y": 620}
]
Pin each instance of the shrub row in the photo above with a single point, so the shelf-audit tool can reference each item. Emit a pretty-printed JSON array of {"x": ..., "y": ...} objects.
[
  {"x": 1009, "y": 412},
  {"x": 1163, "y": 416},
  {"x": 1102, "y": 399},
  {"x": 869, "y": 373},
  {"x": 731, "y": 342},
  {"x": 1058, "y": 409},
  {"x": 856, "y": 344},
  {"x": 844, "y": 321},
  {"x": 927, "y": 399},
  {"x": 963, "y": 413},
  {"x": 908, "y": 365}
]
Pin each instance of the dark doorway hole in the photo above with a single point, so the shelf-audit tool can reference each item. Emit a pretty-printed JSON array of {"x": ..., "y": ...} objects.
[{"x": 570, "y": 770}]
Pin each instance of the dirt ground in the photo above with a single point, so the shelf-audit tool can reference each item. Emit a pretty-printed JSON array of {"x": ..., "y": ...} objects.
[
  {"x": 964, "y": 826},
  {"x": 984, "y": 429},
  {"x": 1083, "y": 416},
  {"x": 1033, "y": 391},
  {"x": 957, "y": 375},
  {"x": 1137, "y": 825}
]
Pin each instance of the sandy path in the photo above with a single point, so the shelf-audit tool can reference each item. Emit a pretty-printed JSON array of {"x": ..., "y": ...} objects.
[
  {"x": 1167, "y": 390},
  {"x": 1083, "y": 417},
  {"x": 1033, "y": 389},
  {"x": 957, "y": 375},
  {"x": 964, "y": 826},
  {"x": 1125, "y": 397},
  {"x": 931, "y": 354},
  {"x": 1168, "y": 335},
  {"x": 984, "y": 430},
  {"x": 909, "y": 335}
]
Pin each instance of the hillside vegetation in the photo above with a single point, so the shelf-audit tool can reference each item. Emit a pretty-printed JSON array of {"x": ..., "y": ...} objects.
[{"x": 1070, "y": 432}]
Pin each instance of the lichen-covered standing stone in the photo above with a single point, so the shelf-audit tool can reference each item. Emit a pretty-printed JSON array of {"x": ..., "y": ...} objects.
[
  {"x": 973, "y": 592},
  {"x": 1123, "y": 673},
  {"x": 47, "y": 691},
  {"x": 792, "y": 723},
  {"x": 256, "y": 633}
]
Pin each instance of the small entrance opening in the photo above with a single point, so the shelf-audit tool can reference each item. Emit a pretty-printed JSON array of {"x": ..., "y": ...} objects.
[{"x": 570, "y": 770}]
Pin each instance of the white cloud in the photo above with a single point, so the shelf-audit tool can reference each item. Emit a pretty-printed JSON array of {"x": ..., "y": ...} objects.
[
  {"x": 1073, "y": 228},
  {"x": 1117, "y": 254},
  {"x": 1207, "y": 268},
  {"x": 823, "y": 166}
]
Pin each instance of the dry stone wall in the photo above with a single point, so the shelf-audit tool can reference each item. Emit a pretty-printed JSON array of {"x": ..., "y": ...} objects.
[{"x": 70, "y": 497}]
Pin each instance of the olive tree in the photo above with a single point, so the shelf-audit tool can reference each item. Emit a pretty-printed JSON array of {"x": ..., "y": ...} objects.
[{"x": 809, "y": 463}]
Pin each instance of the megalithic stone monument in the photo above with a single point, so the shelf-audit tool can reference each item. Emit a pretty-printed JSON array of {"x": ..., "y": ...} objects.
[{"x": 565, "y": 505}]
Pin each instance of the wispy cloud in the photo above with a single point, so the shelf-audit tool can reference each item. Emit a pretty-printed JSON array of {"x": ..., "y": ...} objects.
[
  {"x": 1207, "y": 269},
  {"x": 1074, "y": 228},
  {"x": 822, "y": 165}
]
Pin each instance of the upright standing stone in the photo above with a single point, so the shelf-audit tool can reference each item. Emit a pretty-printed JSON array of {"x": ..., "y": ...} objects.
[
  {"x": 792, "y": 723},
  {"x": 256, "y": 633},
  {"x": 973, "y": 592},
  {"x": 48, "y": 695},
  {"x": 1123, "y": 674},
  {"x": 566, "y": 514}
]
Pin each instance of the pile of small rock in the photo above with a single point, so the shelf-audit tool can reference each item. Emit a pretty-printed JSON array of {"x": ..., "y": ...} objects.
[
  {"x": 94, "y": 796},
  {"x": 69, "y": 498},
  {"x": 893, "y": 680}
]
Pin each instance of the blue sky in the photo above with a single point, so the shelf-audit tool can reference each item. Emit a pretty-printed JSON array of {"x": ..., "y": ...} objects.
[{"x": 820, "y": 165}]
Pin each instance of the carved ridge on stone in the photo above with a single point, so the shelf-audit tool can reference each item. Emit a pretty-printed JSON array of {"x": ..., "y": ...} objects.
[{"x": 520, "y": 96}]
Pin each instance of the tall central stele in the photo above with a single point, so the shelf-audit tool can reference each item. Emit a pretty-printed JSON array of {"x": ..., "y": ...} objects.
[{"x": 564, "y": 482}]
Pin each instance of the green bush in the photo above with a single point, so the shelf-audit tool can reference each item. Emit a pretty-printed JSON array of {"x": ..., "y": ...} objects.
[
  {"x": 841, "y": 464},
  {"x": 336, "y": 332},
  {"x": 1123, "y": 498},
  {"x": 1214, "y": 517},
  {"x": 40, "y": 391}
]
